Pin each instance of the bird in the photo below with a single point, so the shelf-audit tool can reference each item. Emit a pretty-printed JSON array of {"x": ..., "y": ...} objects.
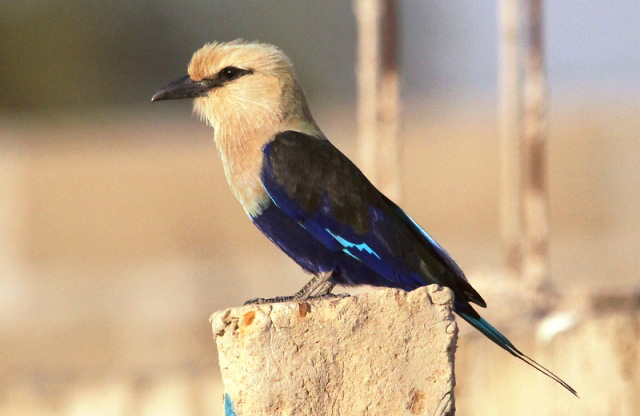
[{"x": 304, "y": 194}]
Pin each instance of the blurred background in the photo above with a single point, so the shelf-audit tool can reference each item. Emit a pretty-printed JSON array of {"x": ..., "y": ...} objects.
[{"x": 119, "y": 235}]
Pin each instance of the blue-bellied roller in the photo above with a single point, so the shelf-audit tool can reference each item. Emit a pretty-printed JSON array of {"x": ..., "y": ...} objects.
[{"x": 304, "y": 194}]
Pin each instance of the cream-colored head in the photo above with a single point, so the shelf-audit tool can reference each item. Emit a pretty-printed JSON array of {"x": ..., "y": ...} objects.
[
  {"x": 249, "y": 93},
  {"x": 261, "y": 95}
]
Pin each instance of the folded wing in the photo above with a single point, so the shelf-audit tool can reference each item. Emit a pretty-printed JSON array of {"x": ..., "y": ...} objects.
[{"x": 325, "y": 193}]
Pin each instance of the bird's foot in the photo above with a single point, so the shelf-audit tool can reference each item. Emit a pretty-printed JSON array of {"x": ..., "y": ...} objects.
[
  {"x": 319, "y": 287},
  {"x": 294, "y": 298},
  {"x": 330, "y": 296},
  {"x": 263, "y": 301}
]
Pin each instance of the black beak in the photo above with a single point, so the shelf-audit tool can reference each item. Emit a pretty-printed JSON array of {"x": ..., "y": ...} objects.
[{"x": 183, "y": 87}]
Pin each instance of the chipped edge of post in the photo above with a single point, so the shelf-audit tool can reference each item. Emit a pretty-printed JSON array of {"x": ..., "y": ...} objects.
[{"x": 220, "y": 320}]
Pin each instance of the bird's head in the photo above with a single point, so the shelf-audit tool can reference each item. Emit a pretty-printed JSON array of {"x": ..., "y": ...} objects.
[{"x": 241, "y": 88}]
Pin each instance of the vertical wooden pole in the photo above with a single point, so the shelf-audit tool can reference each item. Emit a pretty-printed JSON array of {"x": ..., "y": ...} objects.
[
  {"x": 378, "y": 97},
  {"x": 536, "y": 259},
  {"x": 510, "y": 115}
]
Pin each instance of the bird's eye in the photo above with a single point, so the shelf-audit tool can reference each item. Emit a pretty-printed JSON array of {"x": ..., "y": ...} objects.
[{"x": 230, "y": 73}]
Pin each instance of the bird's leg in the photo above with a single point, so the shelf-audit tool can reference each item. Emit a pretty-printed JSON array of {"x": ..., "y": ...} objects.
[
  {"x": 318, "y": 281},
  {"x": 325, "y": 288},
  {"x": 320, "y": 284},
  {"x": 303, "y": 294},
  {"x": 324, "y": 292}
]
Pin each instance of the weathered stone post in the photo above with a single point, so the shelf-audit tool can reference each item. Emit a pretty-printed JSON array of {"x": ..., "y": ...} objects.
[{"x": 383, "y": 353}]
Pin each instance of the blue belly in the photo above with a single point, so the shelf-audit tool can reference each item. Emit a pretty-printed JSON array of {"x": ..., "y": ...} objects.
[
  {"x": 287, "y": 234},
  {"x": 313, "y": 256}
]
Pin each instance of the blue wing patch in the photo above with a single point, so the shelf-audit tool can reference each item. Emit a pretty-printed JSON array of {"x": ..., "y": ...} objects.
[{"x": 347, "y": 245}]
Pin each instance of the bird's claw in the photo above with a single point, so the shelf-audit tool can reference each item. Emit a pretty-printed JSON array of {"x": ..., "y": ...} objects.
[
  {"x": 282, "y": 299},
  {"x": 330, "y": 296},
  {"x": 263, "y": 301}
]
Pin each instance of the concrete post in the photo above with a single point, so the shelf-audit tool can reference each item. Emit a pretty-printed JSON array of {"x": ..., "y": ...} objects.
[{"x": 383, "y": 353}]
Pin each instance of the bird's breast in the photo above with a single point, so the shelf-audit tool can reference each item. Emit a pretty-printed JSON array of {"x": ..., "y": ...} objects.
[
  {"x": 242, "y": 167},
  {"x": 243, "y": 175},
  {"x": 243, "y": 158}
]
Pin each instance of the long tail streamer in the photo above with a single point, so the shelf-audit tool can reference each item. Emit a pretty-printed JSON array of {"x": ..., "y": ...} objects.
[{"x": 470, "y": 315}]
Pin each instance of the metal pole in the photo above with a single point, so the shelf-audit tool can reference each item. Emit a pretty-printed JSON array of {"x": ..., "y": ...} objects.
[
  {"x": 367, "y": 71},
  {"x": 378, "y": 96},
  {"x": 389, "y": 105},
  {"x": 536, "y": 260}
]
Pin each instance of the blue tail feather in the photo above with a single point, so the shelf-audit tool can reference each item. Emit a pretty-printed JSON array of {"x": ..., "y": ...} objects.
[{"x": 470, "y": 315}]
